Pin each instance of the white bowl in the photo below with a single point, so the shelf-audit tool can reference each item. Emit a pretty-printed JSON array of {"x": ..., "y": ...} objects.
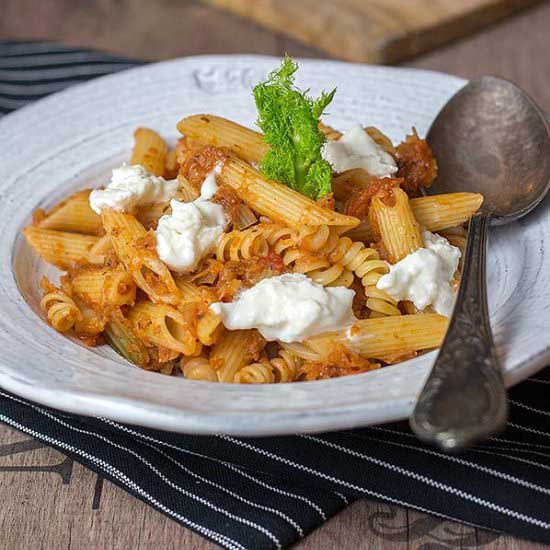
[{"x": 70, "y": 140}]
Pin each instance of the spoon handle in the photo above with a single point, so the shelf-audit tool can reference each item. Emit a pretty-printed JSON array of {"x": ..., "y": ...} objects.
[{"x": 464, "y": 398}]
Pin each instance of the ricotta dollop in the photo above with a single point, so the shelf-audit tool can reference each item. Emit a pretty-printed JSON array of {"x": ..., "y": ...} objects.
[
  {"x": 356, "y": 149},
  {"x": 132, "y": 186},
  {"x": 424, "y": 277},
  {"x": 288, "y": 308},
  {"x": 192, "y": 230}
]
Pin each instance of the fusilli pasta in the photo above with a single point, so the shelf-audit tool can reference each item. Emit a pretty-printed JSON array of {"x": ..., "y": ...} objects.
[{"x": 61, "y": 311}]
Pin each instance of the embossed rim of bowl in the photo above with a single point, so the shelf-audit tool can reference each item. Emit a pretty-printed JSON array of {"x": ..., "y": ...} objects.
[{"x": 41, "y": 145}]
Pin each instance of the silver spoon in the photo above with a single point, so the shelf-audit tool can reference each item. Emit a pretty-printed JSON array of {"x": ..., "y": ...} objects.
[{"x": 490, "y": 138}]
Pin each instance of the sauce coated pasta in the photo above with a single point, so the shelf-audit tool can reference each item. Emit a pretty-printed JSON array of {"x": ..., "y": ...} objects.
[{"x": 319, "y": 262}]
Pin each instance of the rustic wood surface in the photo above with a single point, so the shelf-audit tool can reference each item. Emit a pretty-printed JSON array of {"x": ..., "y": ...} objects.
[
  {"x": 49, "y": 502},
  {"x": 374, "y": 31}
]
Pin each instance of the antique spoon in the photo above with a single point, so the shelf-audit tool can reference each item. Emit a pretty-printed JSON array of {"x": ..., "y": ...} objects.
[{"x": 489, "y": 138}]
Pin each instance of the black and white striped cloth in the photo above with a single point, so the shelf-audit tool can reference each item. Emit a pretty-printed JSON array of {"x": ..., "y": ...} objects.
[
  {"x": 32, "y": 70},
  {"x": 266, "y": 493}
]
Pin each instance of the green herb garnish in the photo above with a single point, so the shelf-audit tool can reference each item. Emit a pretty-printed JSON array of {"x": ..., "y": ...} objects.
[{"x": 289, "y": 119}]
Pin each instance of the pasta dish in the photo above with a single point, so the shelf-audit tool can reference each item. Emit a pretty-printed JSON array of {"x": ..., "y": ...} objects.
[{"x": 299, "y": 253}]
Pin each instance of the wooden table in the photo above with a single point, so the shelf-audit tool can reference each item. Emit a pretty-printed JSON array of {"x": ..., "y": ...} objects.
[{"x": 49, "y": 502}]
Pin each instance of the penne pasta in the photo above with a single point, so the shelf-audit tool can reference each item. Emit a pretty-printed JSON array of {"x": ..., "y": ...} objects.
[
  {"x": 171, "y": 165},
  {"x": 457, "y": 236},
  {"x": 59, "y": 248},
  {"x": 74, "y": 215},
  {"x": 244, "y": 217},
  {"x": 139, "y": 256},
  {"x": 300, "y": 350},
  {"x": 103, "y": 287},
  {"x": 350, "y": 180},
  {"x": 101, "y": 251},
  {"x": 120, "y": 333},
  {"x": 149, "y": 150},
  {"x": 189, "y": 292},
  {"x": 163, "y": 326},
  {"x": 166, "y": 358},
  {"x": 209, "y": 328},
  {"x": 220, "y": 132},
  {"x": 434, "y": 213},
  {"x": 125, "y": 232},
  {"x": 232, "y": 353},
  {"x": 396, "y": 225},
  {"x": 150, "y": 214},
  {"x": 437, "y": 212},
  {"x": 374, "y": 338},
  {"x": 277, "y": 201},
  {"x": 248, "y": 144},
  {"x": 380, "y": 139},
  {"x": 373, "y": 132},
  {"x": 363, "y": 232},
  {"x": 92, "y": 323}
]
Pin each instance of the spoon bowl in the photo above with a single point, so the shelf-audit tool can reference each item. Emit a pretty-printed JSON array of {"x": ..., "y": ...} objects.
[{"x": 490, "y": 138}]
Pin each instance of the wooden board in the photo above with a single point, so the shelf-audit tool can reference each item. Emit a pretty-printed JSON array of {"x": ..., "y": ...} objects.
[{"x": 374, "y": 31}]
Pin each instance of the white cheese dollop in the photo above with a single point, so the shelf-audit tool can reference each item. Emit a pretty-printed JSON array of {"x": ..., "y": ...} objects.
[
  {"x": 209, "y": 185},
  {"x": 130, "y": 186},
  {"x": 288, "y": 307},
  {"x": 192, "y": 230},
  {"x": 356, "y": 149},
  {"x": 424, "y": 277}
]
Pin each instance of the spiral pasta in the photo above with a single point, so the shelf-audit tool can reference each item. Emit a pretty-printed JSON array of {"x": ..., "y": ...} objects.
[
  {"x": 355, "y": 258},
  {"x": 283, "y": 241},
  {"x": 282, "y": 369},
  {"x": 380, "y": 303},
  {"x": 366, "y": 264},
  {"x": 286, "y": 367},
  {"x": 279, "y": 237},
  {"x": 321, "y": 270},
  {"x": 242, "y": 245},
  {"x": 198, "y": 368},
  {"x": 255, "y": 373},
  {"x": 61, "y": 311}
]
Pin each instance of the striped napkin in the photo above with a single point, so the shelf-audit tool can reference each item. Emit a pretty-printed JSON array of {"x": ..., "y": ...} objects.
[{"x": 266, "y": 493}]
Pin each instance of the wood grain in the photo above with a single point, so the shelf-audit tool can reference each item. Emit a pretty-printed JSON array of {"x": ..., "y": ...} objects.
[
  {"x": 142, "y": 29},
  {"x": 514, "y": 49},
  {"x": 374, "y": 31}
]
